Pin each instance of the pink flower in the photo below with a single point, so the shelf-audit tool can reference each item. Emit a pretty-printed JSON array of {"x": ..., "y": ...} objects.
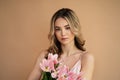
[
  {"x": 63, "y": 72},
  {"x": 47, "y": 65},
  {"x": 54, "y": 74},
  {"x": 79, "y": 76},
  {"x": 72, "y": 76},
  {"x": 53, "y": 57},
  {"x": 57, "y": 70}
]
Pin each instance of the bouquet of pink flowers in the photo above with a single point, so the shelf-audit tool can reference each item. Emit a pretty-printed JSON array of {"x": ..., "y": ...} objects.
[{"x": 53, "y": 70}]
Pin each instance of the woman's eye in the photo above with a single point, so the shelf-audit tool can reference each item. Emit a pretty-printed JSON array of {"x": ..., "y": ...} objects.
[
  {"x": 57, "y": 29},
  {"x": 67, "y": 28}
]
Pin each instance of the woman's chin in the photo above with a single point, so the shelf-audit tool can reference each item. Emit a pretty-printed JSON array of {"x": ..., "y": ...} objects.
[{"x": 65, "y": 43}]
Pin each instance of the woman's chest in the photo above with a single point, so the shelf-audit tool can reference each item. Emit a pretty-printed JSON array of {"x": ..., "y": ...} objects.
[{"x": 71, "y": 62}]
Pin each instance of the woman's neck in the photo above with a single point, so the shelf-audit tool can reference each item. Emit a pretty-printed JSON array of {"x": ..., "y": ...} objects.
[{"x": 69, "y": 49}]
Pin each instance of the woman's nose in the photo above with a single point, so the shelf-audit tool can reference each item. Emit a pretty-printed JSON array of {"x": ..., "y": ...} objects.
[{"x": 63, "y": 32}]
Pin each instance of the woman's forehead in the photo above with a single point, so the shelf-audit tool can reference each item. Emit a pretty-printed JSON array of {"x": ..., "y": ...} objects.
[{"x": 60, "y": 22}]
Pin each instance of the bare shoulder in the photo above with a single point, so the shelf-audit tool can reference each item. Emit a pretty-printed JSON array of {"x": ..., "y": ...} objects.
[
  {"x": 42, "y": 54},
  {"x": 36, "y": 72},
  {"x": 87, "y": 65},
  {"x": 87, "y": 57}
]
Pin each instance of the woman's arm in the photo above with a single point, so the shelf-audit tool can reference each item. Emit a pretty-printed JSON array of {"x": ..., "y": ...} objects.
[
  {"x": 87, "y": 66},
  {"x": 36, "y": 72}
]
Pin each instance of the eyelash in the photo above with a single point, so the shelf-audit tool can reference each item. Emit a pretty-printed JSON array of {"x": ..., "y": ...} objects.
[
  {"x": 58, "y": 29},
  {"x": 67, "y": 28}
]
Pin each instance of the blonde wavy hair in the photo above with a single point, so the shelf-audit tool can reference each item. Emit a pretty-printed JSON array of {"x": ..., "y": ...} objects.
[{"x": 70, "y": 16}]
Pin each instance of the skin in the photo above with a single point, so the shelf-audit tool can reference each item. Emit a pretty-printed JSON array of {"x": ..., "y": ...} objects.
[
  {"x": 70, "y": 54},
  {"x": 63, "y": 32}
]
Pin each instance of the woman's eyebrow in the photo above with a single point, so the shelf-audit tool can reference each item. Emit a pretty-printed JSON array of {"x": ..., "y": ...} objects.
[
  {"x": 57, "y": 27},
  {"x": 66, "y": 25}
]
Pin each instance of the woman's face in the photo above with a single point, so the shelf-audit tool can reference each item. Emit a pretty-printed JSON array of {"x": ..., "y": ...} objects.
[{"x": 63, "y": 31}]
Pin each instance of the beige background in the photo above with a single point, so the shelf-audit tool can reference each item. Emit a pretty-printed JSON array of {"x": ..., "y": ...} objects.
[{"x": 24, "y": 25}]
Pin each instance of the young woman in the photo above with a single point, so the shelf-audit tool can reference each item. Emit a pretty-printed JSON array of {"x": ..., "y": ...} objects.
[{"x": 66, "y": 41}]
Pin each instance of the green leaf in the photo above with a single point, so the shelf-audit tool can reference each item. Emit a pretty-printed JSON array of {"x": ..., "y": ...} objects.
[
  {"x": 47, "y": 76},
  {"x": 44, "y": 76}
]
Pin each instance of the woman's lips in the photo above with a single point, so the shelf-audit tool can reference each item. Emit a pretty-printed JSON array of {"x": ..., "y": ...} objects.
[{"x": 64, "y": 38}]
